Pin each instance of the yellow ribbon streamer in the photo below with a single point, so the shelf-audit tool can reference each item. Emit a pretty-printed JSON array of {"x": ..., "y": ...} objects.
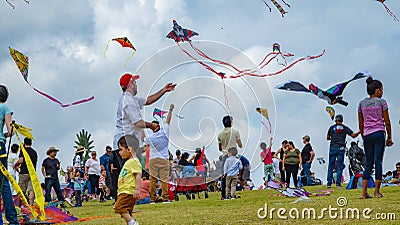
[
  {"x": 17, "y": 189},
  {"x": 37, "y": 188}
]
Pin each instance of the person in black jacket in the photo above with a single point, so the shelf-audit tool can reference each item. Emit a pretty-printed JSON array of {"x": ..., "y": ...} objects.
[{"x": 116, "y": 164}]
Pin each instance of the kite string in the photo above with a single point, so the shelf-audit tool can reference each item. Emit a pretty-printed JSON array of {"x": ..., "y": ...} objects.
[
  {"x": 226, "y": 98},
  {"x": 390, "y": 12}
]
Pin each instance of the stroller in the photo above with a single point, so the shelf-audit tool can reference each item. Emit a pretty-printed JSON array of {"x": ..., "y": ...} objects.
[
  {"x": 188, "y": 186},
  {"x": 357, "y": 159}
]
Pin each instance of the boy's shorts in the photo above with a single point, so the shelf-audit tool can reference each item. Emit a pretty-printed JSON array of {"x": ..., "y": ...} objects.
[{"x": 124, "y": 204}]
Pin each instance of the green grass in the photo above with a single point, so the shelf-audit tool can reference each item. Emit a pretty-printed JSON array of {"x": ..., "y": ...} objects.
[{"x": 244, "y": 210}]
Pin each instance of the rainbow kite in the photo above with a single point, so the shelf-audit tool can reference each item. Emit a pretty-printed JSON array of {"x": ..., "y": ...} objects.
[{"x": 22, "y": 62}]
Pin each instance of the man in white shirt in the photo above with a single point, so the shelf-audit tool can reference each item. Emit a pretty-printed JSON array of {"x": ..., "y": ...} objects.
[
  {"x": 159, "y": 158},
  {"x": 129, "y": 117}
]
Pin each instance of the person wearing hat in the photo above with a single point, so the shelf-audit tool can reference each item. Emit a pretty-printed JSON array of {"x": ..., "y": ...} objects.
[
  {"x": 50, "y": 167},
  {"x": 6, "y": 119},
  {"x": 77, "y": 161},
  {"x": 159, "y": 158},
  {"x": 337, "y": 135},
  {"x": 178, "y": 156},
  {"x": 129, "y": 117}
]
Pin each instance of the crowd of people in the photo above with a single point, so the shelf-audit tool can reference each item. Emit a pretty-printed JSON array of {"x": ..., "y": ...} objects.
[{"x": 142, "y": 164}]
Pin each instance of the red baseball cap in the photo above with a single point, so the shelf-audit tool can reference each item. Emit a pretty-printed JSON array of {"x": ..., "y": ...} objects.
[{"x": 126, "y": 78}]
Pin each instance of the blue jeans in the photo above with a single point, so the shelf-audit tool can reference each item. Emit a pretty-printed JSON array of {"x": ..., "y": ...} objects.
[
  {"x": 336, "y": 153},
  {"x": 307, "y": 173},
  {"x": 9, "y": 209},
  {"x": 49, "y": 183},
  {"x": 143, "y": 201},
  {"x": 374, "y": 147}
]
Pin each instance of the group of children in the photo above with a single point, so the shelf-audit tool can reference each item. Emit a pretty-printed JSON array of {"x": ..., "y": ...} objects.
[{"x": 78, "y": 182}]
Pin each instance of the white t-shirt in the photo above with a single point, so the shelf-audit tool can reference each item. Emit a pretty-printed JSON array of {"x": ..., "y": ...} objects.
[
  {"x": 12, "y": 159},
  {"x": 275, "y": 161},
  {"x": 159, "y": 142},
  {"x": 94, "y": 166},
  {"x": 128, "y": 113}
]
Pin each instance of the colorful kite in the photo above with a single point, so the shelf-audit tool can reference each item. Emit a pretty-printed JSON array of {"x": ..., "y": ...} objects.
[
  {"x": 331, "y": 111},
  {"x": 279, "y": 7},
  {"x": 264, "y": 113},
  {"x": 179, "y": 34},
  {"x": 161, "y": 113},
  {"x": 13, "y": 5},
  {"x": 332, "y": 95},
  {"x": 388, "y": 10},
  {"x": 125, "y": 43},
  {"x": 22, "y": 62}
]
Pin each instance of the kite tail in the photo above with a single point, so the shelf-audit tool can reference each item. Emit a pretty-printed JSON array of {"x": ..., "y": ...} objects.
[
  {"x": 279, "y": 71},
  {"x": 268, "y": 128},
  {"x": 286, "y": 3},
  {"x": 265, "y": 58},
  {"x": 390, "y": 12},
  {"x": 201, "y": 63},
  {"x": 265, "y": 64},
  {"x": 204, "y": 55},
  {"x": 10, "y": 4},
  {"x": 279, "y": 7},
  {"x": 105, "y": 50},
  {"x": 59, "y": 102},
  {"x": 270, "y": 10},
  {"x": 126, "y": 61}
]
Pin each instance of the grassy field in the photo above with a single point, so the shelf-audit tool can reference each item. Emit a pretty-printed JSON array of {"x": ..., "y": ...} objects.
[{"x": 245, "y": 209}]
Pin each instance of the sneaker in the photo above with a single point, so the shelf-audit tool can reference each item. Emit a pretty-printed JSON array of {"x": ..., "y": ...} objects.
[
  {"x": 68, "y": 200},
  {"x": 328, "y": 186},
  {"x": 133, "y": 222},
  {"x": 103, "y": 200},
  {"x": 233, "y": 198},
  {"x": 339, "y": 186},
  {"x": 167, "y": 202},
  {"x": 152, "y": 203}
]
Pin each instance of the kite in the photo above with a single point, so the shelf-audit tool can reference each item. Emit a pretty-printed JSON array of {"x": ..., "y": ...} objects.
[
  {"x": 161, "y": 114},
  {"x": 331, "y": 111},
  {"x": 22, "y": 62},
  {"x": 13, "y": 5},
  {"x": 178, "y": 34},
  {"x": 331, "y": 95},
  {"x": 388, "y": 10},
  {"x": 279, "y": 7},
  {"x": 125, "y": 43},
  {"x": 264, "y": 113}
]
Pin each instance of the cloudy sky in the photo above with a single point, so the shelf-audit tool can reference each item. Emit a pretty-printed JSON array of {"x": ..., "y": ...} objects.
[{"x": 65, "y": 41}]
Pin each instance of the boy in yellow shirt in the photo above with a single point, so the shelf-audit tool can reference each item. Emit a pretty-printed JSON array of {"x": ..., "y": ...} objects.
[{"x": 129, "y": 179}]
